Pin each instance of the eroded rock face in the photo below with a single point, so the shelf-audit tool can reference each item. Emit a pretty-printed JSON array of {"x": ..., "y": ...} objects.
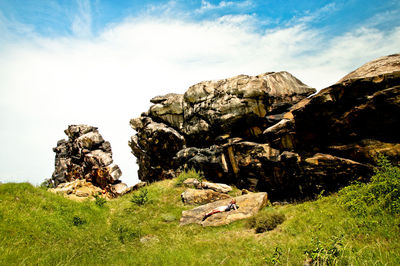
[
  {"x": 249, "y": 205},
  {"x": 263, "y": 133},
  {"x": 209, "y": 111},
  {"x": 86, "y": 156}
]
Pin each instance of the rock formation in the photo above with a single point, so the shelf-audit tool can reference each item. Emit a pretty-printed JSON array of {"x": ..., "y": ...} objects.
[
  {"x": 267, "y": 133},
  {"x": 86, "y": 156}
]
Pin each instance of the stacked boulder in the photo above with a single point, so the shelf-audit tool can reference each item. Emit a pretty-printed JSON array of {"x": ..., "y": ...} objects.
[
  {"x": 268, "y": 133},
  {"x": 86, "y": 156}
]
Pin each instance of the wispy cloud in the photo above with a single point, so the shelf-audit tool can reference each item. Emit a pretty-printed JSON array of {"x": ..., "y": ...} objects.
[
  {"x": 316, "y": 15},
  {"x": 207, "y": 6},
  {"x": 82, "y": 22}
]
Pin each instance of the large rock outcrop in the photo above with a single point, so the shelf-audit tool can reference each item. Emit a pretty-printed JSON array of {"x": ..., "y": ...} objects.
[
  {"x": 209, "y": 111},
  {"x": 86, "y": 156},
  {"x": 267, "y": 133}
]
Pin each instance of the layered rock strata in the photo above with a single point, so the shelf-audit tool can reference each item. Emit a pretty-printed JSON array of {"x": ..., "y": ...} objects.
[
  {"x": 264, "y": 132},
  {"x": 85, "y": 155}
]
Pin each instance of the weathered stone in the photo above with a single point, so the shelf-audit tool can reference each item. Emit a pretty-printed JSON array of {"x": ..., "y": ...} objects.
[
  {"x": 139, "y": 185},
  {"x": 80, "y": 190},
  {"x": 84, "y": 156},
  {"x": 267, "y": 133},
  {"x": 98, "y": 158},
  {"x": 241, "y": 102},
  {"x": 119, "y": 189},
  {"x": 192, "y": 183},
  {"x": 249, "y": 205},
  {"x": 218, "y": 187},
  {"x": 114, "y": 173},
  {"x": 235, "y": 106},
  {"x": 169, "y": 109},
  {"x": 201, "y": 196},
  {"x": 376, "y": 68},
  {"x": 90, "y": 140},
  {"x": 367, "y": 150},
  {"x": 153, "y": 144}
]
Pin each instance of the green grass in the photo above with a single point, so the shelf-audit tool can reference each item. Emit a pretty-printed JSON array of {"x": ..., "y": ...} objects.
[{"x": 41, "y": 228}]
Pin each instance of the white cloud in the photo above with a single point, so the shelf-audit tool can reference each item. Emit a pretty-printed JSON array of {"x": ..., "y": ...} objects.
[
  {"x": 207, "y": 6},
  {"x": 48, "y": 83}
]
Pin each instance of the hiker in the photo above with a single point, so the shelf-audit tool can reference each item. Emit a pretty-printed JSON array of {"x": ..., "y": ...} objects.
[{"x": 225, "y": 208}]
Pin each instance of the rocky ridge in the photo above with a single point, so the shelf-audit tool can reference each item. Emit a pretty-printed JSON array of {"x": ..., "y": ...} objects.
[{"x": 265, "y": 133}]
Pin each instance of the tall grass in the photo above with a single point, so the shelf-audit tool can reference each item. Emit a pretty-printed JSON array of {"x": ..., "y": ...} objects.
[{"x": 37, "y": 227}]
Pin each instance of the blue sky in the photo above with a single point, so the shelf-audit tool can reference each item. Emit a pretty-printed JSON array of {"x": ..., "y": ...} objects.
[
  {"x": 56, "y": 18},
  {"x": 99, "y": 62}
]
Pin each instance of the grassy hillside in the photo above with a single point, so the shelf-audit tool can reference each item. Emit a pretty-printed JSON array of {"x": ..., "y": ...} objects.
[{"x": 37, "y": 227}]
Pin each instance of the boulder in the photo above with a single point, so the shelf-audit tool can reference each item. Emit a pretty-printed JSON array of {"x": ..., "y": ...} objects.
[
  {"x": 192, "y": 182},
  {"x": 201, "y": 196},
  {"x": 119, "y": 189},
  {"x": 80, "y": 190},
  {"x": 232, "y": 106},
  {"x": 84, "y": 156},
  {"x": 249, "y": 205},
  {"x": 218, "y": 187}
]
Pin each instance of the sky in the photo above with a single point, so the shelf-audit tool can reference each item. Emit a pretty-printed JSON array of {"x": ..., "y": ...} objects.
[{"x": 100, "y": 62}]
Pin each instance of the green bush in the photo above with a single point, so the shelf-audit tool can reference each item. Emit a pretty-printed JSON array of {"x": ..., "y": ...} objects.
[
  {"x": 47, "y": 183},
  {"x": 265, "y": 221},
  {"x": 100, "y": 201},
  {"x": 125, "y": 231},
  {"x": 192, "y": 173},
  {"x": 77, "y": 221},
  {"x": 140, "y": 197},
  {"x": 319, "y": 253},
  {"x": 381, "y": 194}
]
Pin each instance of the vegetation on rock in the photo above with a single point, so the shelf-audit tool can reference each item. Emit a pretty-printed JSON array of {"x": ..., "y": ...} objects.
[{"x": 382, "y": 194}]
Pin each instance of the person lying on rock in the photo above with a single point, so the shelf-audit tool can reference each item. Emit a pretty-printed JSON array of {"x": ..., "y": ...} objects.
[{"x": 225, "y": 208}]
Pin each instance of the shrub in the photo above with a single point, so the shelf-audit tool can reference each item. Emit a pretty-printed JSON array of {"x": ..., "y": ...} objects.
[
  {"x": 382, "y": 193},
  {"x": 266, "y": 221},
  {"x": 100, "y": 201},
  {"x": 125, "y": 232},
  {"x": 141, "y": 197},
  {"x": 192, "y": 173},
  {"x": 47, "y": 183},
  {"x": 319, "y": 253},
  {"x": 77, "y": 221}
]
